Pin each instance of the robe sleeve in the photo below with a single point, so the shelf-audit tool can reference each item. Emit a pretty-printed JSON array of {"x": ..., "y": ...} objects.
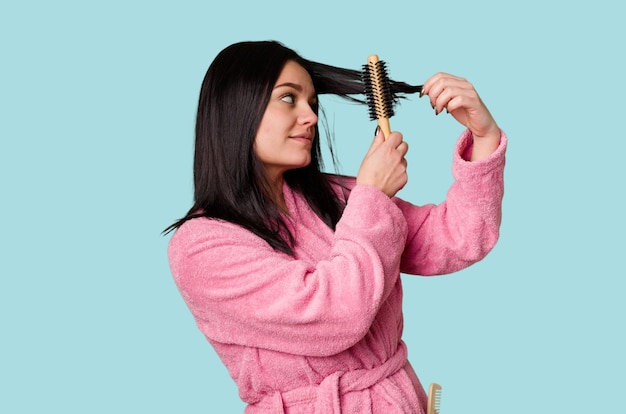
[
  {"x": 461, "y": 230},
  {"x": 243, "y": 292}
]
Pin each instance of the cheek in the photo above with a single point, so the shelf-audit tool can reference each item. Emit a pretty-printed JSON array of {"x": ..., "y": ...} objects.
[
  {"x": 262, "y": 145},
  {"x": 265, "y": 134},
  {"x": 269, "y": 119}
]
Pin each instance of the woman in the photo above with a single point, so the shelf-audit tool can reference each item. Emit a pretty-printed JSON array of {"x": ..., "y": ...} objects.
[{"x": 294, "y": 275}]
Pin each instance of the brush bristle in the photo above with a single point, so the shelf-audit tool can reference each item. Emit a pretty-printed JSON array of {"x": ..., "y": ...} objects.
[
  {"x": 378, "y": 90},
  {"x": 437, "y": 406}
]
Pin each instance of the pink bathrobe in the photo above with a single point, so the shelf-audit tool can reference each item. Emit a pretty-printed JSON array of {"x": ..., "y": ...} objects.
[{"x": 321, "y": 332}]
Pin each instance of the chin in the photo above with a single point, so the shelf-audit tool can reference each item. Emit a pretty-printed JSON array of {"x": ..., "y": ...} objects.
[{"x": 301, "y": 165}]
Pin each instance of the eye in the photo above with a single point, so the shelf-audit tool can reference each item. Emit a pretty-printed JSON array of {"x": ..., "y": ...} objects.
[{"x": 288, "y": 98}]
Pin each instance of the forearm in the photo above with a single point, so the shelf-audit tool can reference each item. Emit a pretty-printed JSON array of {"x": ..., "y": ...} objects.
[
  {"x": 463, "y": 229},
  {"x": 484, "y": 146}
]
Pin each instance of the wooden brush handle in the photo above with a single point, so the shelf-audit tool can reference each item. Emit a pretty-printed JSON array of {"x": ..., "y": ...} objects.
[{"x": 383, "y": 122}]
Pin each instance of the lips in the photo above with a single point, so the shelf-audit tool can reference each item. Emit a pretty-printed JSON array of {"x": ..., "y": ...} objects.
[{"x": 304, "y": 136}]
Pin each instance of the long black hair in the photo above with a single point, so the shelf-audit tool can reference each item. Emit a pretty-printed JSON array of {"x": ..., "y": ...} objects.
[{"x": 229, "y": 180}]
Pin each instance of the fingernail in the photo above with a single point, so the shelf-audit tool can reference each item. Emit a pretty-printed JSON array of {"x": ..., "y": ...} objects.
[
  {"x": 377, "y": 130},
  {"x": 436, "y": 111},
  {"x": 421, "y": 92}
]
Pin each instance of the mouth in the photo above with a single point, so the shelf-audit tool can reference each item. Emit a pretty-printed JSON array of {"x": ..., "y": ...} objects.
[{"x": 303, "y": 137}]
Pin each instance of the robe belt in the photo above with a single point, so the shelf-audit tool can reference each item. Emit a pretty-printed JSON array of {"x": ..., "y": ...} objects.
[{"x": 327, "y": 394}]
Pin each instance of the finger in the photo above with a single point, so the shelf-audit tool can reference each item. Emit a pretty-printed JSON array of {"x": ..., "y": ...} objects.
[
  {"x": 438, "y": 79},
  {"x": 460, "y": 102},
  {"x": 403, "y": 148},
  {"x": 394, "y": 139},
  {"x": 445, "y": 87},
  {"x": 456, "y": 97},
  {"x": 446, "y": 96},
  {"x": 378, "y": 140},
  {"x": 472, "y": 113}
]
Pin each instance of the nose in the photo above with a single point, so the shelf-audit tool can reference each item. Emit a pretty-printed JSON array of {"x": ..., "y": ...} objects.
[{"x": 308, "y": 116}]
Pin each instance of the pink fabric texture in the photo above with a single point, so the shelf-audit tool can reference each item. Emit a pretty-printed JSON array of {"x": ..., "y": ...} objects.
[{"x": 321, "y": 332}]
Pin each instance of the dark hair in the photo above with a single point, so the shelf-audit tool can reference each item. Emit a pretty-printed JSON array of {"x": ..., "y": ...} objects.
[{"x": 229, "y": 181}]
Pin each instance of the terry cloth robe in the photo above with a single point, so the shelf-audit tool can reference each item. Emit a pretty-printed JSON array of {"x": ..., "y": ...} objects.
[{"x": 321, "y": 332}]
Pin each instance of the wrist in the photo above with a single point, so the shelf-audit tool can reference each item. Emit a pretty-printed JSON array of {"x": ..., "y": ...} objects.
[{"x": 485, "y": 145}]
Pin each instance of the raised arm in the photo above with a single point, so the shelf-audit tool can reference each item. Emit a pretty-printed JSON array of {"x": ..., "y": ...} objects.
[
  {"x": 241, "y": 291},
  {"x": 460, "y": 231},
  {"x": 464, "y": 228}
]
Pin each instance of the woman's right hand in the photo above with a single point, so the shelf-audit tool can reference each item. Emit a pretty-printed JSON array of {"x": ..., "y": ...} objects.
[{"x": 384, "y": 165}]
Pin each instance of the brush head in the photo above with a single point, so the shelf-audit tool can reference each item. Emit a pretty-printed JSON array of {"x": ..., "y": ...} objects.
[{"x": 377, "y": 89}]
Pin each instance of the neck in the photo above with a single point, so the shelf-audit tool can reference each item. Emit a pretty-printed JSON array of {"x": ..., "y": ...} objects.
[{"x": 276, "y": 194}]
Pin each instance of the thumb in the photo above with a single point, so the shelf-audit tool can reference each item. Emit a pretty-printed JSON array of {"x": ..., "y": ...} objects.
[{"x": 379, "y": 138}]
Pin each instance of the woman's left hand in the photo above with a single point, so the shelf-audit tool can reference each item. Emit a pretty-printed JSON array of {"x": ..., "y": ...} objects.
[{"x": 459, "y": 98}]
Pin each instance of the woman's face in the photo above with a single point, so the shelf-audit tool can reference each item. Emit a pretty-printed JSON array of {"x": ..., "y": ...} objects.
[{"x": 285, "y": 136}]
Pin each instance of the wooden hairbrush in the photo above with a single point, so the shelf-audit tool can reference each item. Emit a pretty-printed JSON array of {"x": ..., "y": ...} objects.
[
  {"x": 434, "y": 399},
  {"x": 378, "y": 92}
]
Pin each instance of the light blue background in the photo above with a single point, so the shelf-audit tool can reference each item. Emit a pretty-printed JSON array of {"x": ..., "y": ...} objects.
[{"x": 97, "y": 105}]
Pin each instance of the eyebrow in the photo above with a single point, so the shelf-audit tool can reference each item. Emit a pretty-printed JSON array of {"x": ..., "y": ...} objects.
[
  {"x": 295, "y": 86},
  {"x": 291, "y": 85}
]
